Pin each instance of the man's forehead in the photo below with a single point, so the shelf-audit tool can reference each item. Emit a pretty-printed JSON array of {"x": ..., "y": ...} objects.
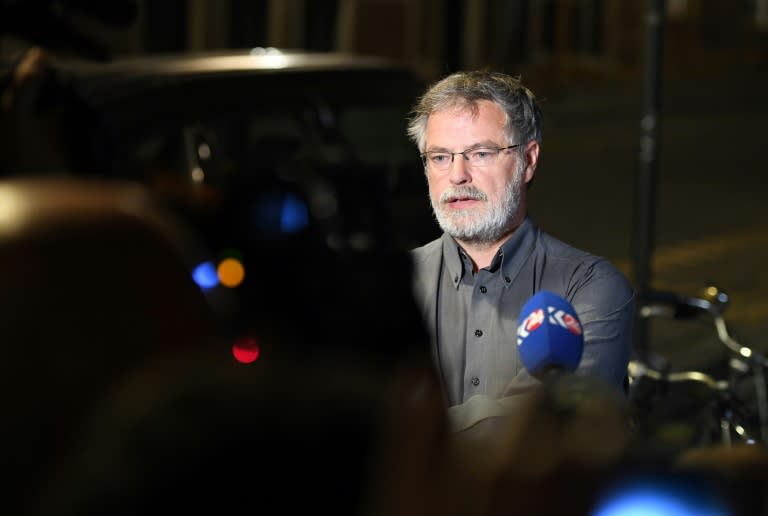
[
  {"x": 489, "y": 111},
  {"x": 461, "y": 105}
]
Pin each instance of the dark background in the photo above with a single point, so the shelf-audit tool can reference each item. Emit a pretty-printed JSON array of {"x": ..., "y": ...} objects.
[{"x": 586, "y": 60}]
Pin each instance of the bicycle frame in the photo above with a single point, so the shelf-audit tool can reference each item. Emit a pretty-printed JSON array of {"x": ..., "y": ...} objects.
[{"x": 745, "y": 360}]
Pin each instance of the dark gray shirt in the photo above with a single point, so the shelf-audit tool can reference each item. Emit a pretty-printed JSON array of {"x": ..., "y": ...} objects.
[{"x": 473, "y": 317}]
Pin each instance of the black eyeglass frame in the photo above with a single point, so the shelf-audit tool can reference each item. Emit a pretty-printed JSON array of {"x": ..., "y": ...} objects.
[{"x": 424, "y": 155}]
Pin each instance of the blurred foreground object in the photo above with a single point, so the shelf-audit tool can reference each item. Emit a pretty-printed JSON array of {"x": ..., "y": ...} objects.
[
  {"x": 31, "y": 137},
  {"x": 717, "y": 480},
  {"x": 94, "y": 284},
  {"x": 325, "y": 437},
  {"x": 553, "y": 456},
  {"x": 67, "y": 25},
  {"x": 741, "y": 471}
]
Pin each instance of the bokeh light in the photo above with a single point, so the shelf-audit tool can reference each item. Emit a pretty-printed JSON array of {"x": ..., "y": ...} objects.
[
  {"x": 231, "y": 272},
  {"x": 295, "y": 216},
  {"x": 660, "y": 498},
  {"x": 246, "y": 350},
  {"x": 278, "y": 213},
  {"x": 205, "y": 275}
]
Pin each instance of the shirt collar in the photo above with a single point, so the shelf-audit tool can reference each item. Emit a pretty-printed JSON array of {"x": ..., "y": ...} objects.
[{"x": 512, "y": 254}]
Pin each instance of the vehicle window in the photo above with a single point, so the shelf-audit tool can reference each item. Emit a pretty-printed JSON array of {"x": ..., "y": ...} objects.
[
  {"x": 377, "y": 134},
  {"x": 273, "y": 126}
]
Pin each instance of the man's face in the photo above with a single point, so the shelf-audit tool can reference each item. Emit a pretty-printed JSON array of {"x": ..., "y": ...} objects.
[{"x": 476, "y": 205}]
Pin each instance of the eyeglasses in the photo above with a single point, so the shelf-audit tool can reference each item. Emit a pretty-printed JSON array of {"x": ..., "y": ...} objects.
[{"x": 477, "y": 157}]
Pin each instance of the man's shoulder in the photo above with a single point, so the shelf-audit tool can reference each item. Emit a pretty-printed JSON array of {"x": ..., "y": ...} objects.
[
  {"x": 427, "y": 251},
  {"x": 426, "y": 264},
  {"x": 556, "y": 249},
  {"x": 578, "y": 263}
]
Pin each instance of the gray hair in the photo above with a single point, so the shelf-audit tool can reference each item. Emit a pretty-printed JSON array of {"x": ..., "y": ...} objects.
[{"x": 465, "y": 89}]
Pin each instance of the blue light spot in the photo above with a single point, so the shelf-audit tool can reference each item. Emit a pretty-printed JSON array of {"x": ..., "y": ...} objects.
[
  {"x": 294, "y": 216},
  {"x": 205, "y": 275},
  {"x": 278, "y": 213},
  {"x": 659, "y": 499}
]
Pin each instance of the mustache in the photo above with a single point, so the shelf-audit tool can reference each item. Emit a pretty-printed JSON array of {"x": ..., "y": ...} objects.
[{"x": 462, "y": 192}]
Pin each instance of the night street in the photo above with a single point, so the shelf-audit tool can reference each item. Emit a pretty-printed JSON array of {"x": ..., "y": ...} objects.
[{"x": 712, "y": 224}]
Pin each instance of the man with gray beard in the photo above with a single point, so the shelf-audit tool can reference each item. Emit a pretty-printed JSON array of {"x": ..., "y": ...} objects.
[{"x": 479, "y": 135}]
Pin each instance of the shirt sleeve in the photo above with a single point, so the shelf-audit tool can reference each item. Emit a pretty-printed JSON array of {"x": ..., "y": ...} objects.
[{"x": 604, "y": 302}]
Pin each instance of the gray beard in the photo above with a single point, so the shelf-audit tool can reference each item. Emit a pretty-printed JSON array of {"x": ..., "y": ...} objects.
[{"x": 486, "y": 224}]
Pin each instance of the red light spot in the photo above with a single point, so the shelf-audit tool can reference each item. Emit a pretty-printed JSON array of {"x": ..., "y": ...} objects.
[{"x": 246, "y": 350}]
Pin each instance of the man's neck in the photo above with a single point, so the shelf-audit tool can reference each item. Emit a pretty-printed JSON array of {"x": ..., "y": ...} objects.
[{"x": 482, "y": 253}]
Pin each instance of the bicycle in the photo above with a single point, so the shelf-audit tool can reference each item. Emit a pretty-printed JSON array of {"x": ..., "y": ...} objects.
[{"x": 726, "y": 412}]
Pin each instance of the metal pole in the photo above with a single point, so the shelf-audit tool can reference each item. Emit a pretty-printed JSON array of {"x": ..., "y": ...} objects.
[{"x": 648, "y": 165}]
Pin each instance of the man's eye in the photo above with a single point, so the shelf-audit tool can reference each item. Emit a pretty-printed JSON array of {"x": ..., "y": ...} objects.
[
  {"x": 439, "y": 158},
  {"x": 482, "y": 154}
]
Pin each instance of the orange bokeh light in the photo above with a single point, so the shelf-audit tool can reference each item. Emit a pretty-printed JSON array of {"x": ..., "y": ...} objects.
[{"x": 231, "y": 272}]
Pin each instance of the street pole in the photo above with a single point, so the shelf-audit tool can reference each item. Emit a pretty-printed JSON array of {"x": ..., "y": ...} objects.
[{"x": 648, "y": 163}]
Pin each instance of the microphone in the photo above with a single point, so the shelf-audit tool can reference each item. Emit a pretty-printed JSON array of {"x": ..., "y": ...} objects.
[{"x": 550, "y": 339}]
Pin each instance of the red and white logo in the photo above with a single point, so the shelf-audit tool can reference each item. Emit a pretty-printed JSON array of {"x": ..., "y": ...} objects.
[
  {"x": 533, "y": 321},
  {"x": 564, "y": 320},
  {"x": 555, "y": 317}
]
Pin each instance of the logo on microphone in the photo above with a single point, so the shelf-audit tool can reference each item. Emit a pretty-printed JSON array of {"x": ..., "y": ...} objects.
[
  {"x": 564, "y": 320},
  {"x": 555, "y": 317}
]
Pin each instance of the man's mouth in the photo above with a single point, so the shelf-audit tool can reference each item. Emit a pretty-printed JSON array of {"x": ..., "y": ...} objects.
[
  {"x": 462, "y": 200},
  {"x": 454, "y": 200}
]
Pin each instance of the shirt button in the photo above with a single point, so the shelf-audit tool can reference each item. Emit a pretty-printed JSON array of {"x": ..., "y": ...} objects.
[
  {"x": 507, "y": 279},
  {"x": 478, "y": 333},
  {"x": 475, "y": 381},
  {"x": 483, "y": 289}
]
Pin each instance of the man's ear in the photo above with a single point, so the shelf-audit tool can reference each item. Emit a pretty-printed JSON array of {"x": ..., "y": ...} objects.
[{"x": 531, "y": 154}]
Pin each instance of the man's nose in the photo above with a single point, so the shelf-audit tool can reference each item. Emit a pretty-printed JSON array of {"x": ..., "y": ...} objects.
[{"x": 459, "y": 173}]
